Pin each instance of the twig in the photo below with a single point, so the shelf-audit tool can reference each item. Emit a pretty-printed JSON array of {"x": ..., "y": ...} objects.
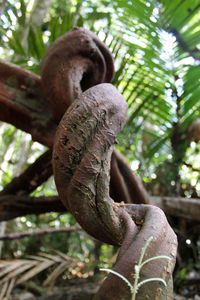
[
  {"x": 22, "y": 235},
  {"x": 191, "y": 167}
]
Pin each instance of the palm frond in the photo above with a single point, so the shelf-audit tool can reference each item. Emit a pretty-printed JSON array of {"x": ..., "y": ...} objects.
[{"x": 16, "y": 271}]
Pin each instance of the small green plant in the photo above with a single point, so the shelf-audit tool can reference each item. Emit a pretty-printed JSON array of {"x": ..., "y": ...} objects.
[{"x": 135, "y": 287}]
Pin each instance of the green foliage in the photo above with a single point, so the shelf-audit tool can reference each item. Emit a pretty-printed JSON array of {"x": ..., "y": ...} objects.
[
  {"x": 135, "y": 287},
  {"x": 156, "y": 50}
]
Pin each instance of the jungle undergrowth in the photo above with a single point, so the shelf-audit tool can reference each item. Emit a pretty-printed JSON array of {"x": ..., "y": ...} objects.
[{"x": 136, "y": 285}]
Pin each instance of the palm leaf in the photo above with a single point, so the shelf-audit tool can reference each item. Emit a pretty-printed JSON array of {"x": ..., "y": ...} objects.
[
  {"x": 4, "y": 290},
  {"x": 56, "y": 273},
  {"x": 39, "y": 267},
  {"x": 20, "y": 267},
  {"x": 156, "y": 146},
  {"x": 17, "y": 271}
]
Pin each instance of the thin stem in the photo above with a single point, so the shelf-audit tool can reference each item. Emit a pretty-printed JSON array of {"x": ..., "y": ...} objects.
[
  {"x": 151, "y": 279},
  {"x": 138, "y": 268},
  {"x": 144, "y": 250},
  {"x": 137, "y": 276},
  {"x": 154, "y": 258},
  {"x": 121, "y": 276}
]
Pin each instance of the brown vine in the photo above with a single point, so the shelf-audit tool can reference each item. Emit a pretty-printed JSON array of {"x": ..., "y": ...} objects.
[
  {"x": 81, "y": 163},
  {"x": 77, "y": 61}
]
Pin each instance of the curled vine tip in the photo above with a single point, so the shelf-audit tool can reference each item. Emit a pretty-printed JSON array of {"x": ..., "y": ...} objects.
[{"x": 75, "y": 62}]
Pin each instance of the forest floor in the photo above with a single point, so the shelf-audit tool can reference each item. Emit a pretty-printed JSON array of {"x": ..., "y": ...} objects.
[
  {"x": 85, "y": 289},
  {"x": 82, "y": 290}
]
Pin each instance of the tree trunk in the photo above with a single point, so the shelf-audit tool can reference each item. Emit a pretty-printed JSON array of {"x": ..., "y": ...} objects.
[{"x": 36, "y": 18}]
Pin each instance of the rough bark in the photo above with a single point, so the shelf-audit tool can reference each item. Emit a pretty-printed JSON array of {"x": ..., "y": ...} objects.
[
  {"x": 152, "y": 223},
  {"x": 81, "y": 164},
  {"x": 85, "y": 137},
  {"x": 22, "y": 103},
  {"x": 81, "y": 158}
]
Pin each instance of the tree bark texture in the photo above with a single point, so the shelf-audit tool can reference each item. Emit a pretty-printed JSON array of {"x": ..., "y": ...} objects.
[
  {"x": 22, "y": 103},
  {"x": 74, "y": 72},
  {"x": 81, "y": 163}
]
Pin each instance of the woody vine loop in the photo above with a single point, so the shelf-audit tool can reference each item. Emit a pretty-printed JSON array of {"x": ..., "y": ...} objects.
[{"x": 76, "y": 74}]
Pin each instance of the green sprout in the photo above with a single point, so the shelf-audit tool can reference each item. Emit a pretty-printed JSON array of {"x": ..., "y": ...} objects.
[{"x": 135, "y": 287}]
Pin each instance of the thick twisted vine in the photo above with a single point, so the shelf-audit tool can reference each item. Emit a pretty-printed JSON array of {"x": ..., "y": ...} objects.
[
  {"x": 81, "y": 163},
  {"x": 75, "y": 62}
]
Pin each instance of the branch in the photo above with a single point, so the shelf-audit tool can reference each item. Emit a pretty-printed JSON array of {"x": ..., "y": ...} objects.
[
  {"x": 191, "y": 167},
  {"x": 13, "y": 206},
  {"x": 32, "y": 177},
  {"x": 136, "y": 190},
  {"x": 21, "y": 235},
  {"x": 118, "y": 188},
  {"x": 22, "y": 103},
  {"x": 179, "y": 207},
  {"x": 124, "y": 185}
]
